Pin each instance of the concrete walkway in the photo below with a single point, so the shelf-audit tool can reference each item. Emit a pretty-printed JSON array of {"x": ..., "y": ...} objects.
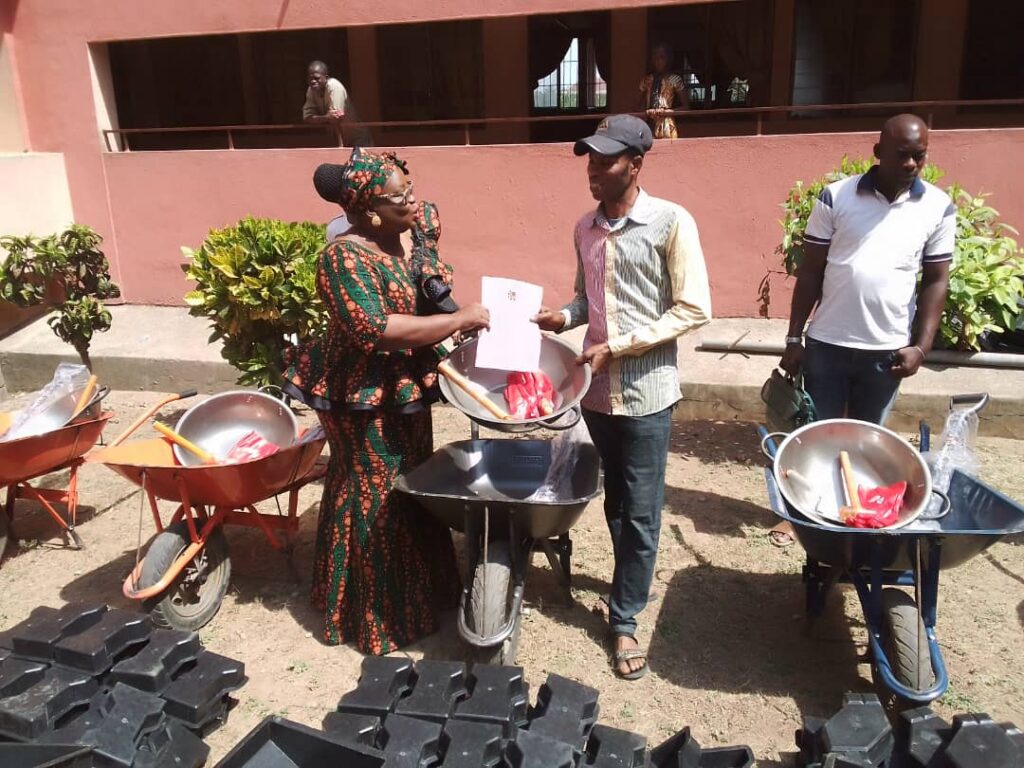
[{"x": 164, "y": 349}]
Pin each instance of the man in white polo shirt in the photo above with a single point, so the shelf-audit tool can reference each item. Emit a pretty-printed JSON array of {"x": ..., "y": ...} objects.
[{"x": 868, "y": 238}]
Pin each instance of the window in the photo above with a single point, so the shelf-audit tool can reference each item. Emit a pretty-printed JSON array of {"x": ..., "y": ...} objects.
[
  {"x": 721, "y": 50},
  {"x": 993, "y": 55},
  {"x": 431, "y": 71},
  {"x": 854, "y": 51},
  {"x": 574, "y": 82}
]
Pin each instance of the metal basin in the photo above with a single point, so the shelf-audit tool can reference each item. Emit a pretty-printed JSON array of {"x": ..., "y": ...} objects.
[
  {"x": 557, "y": 360},
  {"x": 219, "y": 422},
  {"x": 59, "y": 414},
  {"x": 807, "y": 468}
]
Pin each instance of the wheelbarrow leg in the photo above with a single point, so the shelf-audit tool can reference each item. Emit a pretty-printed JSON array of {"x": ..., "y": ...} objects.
[
  {"x": 559, "y": 551},
  {"x": 819, "y": 580}
]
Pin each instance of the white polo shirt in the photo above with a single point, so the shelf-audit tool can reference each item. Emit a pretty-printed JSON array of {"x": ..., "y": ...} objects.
[{"x": 875, "y": 252}]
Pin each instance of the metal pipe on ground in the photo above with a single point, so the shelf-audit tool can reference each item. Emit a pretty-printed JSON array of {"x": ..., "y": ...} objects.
[{"x": 935, "y": 357}]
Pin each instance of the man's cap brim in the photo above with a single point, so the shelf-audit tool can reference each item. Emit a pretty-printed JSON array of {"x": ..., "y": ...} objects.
[{"x": 600, "y": 144}]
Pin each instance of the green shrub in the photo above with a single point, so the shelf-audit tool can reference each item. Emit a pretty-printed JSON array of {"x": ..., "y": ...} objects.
[
  {"x": 256, "y": 282},
  {"x": 67, "y": 272},
  {"x": 986, "y": 290}
]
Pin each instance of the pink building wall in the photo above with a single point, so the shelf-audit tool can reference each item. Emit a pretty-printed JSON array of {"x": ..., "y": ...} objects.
[
  {"x": 509, "y": 210},
  {"x": 506, "y": 210}
]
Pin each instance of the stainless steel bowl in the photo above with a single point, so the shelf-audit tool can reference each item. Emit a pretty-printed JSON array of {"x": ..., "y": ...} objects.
[
  {"x": 807, "y": 468},
  {"x": 557, "y": 360},
  {"x": 219, "y": 422}
]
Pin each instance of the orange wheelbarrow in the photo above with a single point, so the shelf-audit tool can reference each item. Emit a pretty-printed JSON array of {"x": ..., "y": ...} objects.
[
  {"x": 27, "y": 458},
  {"x": 186, "y": 571}
]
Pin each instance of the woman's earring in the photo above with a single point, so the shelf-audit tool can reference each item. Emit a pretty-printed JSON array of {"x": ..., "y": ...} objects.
[{"x": 374, "y": 220}]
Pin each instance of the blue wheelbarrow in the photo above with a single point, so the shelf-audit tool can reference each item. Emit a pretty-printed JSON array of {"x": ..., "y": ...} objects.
[{"x": 906, "y": 658}]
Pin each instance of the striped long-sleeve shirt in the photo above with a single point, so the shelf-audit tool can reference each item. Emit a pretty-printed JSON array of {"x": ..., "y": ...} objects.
[{"x": 639, "y": 284}]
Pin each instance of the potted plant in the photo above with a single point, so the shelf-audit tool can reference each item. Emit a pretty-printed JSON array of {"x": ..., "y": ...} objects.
[
  {"x": 256, "y": 282},
  {"x": 66, "y": 273}
]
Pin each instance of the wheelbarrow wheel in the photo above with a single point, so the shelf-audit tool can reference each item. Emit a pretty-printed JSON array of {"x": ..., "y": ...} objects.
[
  {"x": 900, "y": 624},
  {"x": 489, "y": 599},
  {"x": 195, "y": 596}
]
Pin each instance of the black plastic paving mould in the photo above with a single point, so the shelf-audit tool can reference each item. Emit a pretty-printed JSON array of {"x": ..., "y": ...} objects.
[
  {"x": 683, "y": 751},
  {"x": 615, "y": 748},
  {"x": 978, "y": 742},
  {"x": 438, "y": 686},
  {"x": 925, "y": 736},
  {"x": 467, "y": 744},
  {"x": 46, "y": 756},
  {"x": 859, "y": 732},
  {"x": 410, "y": 743},
  {"x": 154, "y": 666},
  {"x": 36, "y": 637},
  {"x": 497, "y": 695},
  {"x": 198, "y": 696},
  {"x": 532, "y": 750},
  {"x": 353, "y": 729},
  {"x": 171, "y": 745},
  {"x": 117, "y": 729},
  {"x": 34, "y": 711},
  {"x": 18, "y": 675},
  {"x": 37, "y": 614},
  {"x": 95, "y": 649},
  {"x": 280, "y": 743},
  {"x": 382, "y": 682},
  {"x": 565, "y": 711}
]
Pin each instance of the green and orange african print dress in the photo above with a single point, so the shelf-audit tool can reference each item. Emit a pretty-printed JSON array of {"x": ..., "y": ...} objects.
[{"x": 383, "y": 567}]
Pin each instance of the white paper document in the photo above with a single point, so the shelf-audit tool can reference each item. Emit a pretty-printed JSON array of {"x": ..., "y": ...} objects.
[{"x": 513, "y": 342}]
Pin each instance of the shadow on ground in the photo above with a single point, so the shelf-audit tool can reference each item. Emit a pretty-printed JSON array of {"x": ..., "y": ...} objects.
[
  {"x": 715, "y": 514},
  {"x": 714, "y": 442}
]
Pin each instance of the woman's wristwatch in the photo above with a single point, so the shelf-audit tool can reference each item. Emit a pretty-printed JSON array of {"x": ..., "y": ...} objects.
[{"x": 794, "y": 340}]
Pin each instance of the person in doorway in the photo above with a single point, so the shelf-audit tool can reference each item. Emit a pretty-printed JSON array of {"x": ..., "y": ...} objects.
[
  {"x": 661, "y": 92},
  {"x": 641, "y": 282},
  {"x": 326, "y": 98},
  {"x": 383, "y": 568},
  {"x": 868, "y": 239}
]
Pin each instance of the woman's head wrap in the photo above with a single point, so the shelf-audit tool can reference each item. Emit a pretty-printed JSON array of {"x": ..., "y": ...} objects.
[{"x": 356, "y": 183}]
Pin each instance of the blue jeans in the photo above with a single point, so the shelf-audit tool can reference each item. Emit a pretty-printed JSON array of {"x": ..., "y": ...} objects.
[
  {"x": 634, "y": 451},
  {"x": 846, "y": 383}
]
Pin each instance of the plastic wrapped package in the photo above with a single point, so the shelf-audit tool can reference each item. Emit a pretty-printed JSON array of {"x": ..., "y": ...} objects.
[
  {"x": 44, "y": 412},
  {"x": 565, "y": 451},
  {"x": 954, "y": 451}
]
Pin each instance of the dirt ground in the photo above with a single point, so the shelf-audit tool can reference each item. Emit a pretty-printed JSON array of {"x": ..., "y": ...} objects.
[{"x": 731, "y": 653}]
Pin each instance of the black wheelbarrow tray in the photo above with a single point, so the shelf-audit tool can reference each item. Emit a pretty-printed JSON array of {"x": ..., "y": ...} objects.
[
  {"x": 481, "y": 488},
  {"x": 909, "y": 666}
]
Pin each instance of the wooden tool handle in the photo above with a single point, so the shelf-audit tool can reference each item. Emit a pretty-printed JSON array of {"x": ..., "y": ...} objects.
[
  {"x": 83, "y": 400},
  {"x": 852, "y": 499},
  {"x": 445, "y": 368},
  {"x": 188, "y": 445}
]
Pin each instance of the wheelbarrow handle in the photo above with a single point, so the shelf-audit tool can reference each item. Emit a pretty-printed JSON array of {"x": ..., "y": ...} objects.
[
  {"x": 944, "y": 510},
  {"x": 149, "y": 414},
  {"x": 976, "y": 400}
]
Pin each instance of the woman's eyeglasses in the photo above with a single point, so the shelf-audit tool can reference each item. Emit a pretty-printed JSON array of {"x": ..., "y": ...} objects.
[{"x": 399, "y": 198}]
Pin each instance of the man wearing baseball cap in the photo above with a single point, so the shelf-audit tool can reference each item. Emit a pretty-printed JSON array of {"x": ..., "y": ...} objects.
[{"x": 640, "y": 283}]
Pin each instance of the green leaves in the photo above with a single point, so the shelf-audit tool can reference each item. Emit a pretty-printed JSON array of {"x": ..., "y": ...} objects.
[
  {"x": 66, "y": 271},
  {"x": 256, "y": 282},
  {"x": 986, "y": 289}
]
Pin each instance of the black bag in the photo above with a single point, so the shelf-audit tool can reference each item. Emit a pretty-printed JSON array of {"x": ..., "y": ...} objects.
[{"x": 787, "y": 404}]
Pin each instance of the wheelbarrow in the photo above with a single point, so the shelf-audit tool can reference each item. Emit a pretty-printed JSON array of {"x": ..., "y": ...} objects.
[
  {"x": 907, "y": 661},
  {"x": 25, "y": 459},
  {"x": 186, "y": 571},
  {"x": 481, "y": 488}
]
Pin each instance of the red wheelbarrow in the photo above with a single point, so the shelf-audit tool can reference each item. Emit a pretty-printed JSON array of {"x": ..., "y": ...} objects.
[
  {"x": 185, "y": 574},
  {"x": 25, "y": 459}
]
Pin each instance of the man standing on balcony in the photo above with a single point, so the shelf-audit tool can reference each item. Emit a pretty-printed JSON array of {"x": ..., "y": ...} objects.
[
  {"x": 640, "y": 283},
  {"x": 867, "y": 239},
  {"x": 325, "y": 99}
]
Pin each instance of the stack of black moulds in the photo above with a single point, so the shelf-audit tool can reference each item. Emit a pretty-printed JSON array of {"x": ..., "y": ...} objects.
[
  {"x": 436, "y": 713},
  {"x": 860, "y": 735},
  {"x": 90, "y": 686}
]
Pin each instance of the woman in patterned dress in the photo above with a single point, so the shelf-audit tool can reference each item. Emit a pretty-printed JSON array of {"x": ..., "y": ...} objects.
[
  {"x": 661, "y": 92},
  {"x": 383, "y": 567}
]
